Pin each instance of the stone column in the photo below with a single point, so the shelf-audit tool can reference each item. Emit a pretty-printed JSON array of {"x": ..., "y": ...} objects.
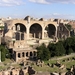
[
  {"x": 21, "y": 55},
  {"x": 34, "y": 35},
  {"x": 16, "y": 57},
  {"x": 24, "y": 36},
  {"x": 36, "y": 54},
  {"x": 39, "y": 35},
  {"x": 42, "y": 33},
  {"x": 56, "y": 32},
  {"x": 28, "y": 54},
  {"x": 25, "y": 54},
  {"x": 20, "y": 35},
  {"x": 27, "y": 32}
]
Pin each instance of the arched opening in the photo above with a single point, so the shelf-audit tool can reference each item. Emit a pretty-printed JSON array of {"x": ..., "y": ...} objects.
[
  {"x": 20, "y": 31},
  {"x": 19, "y": 56},
  {"x": 27, "y": 54},
  {"x": 31, "y": 54},
  {"x": 34, "y": 53},
  {"x": 23, "y": 54},
  {"x": 50, "y": 31},
  {"x": 20, "y": 27},
  {"x": 36, "y": 31}
]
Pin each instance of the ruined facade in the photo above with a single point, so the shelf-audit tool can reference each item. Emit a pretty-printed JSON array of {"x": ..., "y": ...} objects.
[{"x": 19, "y": 32}]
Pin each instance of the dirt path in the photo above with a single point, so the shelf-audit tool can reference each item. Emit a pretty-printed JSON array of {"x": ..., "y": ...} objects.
[{"x": 63, "y": 57}]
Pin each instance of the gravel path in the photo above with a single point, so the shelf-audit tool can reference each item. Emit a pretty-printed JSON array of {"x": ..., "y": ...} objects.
[{"x": 63, "y": 57}]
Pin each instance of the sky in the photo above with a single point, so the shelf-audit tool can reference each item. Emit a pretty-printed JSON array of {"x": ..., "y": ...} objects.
[{"x": 63, "y": 9}]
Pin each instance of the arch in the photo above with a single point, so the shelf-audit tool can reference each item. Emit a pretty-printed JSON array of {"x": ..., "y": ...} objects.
[
  {"x": 26, "y": 54},
  {"x": 35, "y": 53},
  {"x": 50, "y": 30},
  {"x": 23, "y": 54},
  {"x": 36, "y": 30},
  {"x": 31, "y": 54},
  {"x": 20, "y": 27},
  {"x": 19, "y": 55}
]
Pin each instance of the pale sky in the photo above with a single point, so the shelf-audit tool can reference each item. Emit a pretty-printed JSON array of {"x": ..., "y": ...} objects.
[{"x": 64, "y": 9}]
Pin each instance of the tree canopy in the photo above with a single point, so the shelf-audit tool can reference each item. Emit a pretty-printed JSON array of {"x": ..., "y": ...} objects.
[
  {"x": 43, "y": 52},
  {"x": 68, "y": 26},
  {"x": 4, "y": 53},
  {"x": 60, "y": 48}
]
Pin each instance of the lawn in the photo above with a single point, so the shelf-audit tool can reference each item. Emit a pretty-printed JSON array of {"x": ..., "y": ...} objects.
[
  {"x": 45, "y": 67},
  {"x": 67, "y": 63}
]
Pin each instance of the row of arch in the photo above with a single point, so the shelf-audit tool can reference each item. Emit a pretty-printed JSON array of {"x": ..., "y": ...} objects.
[
  {"x": 36, "y": 30},
  {"x": 27, "y": 54}
]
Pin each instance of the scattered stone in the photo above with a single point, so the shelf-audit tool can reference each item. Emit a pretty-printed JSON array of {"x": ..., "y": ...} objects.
[
  {"x": 68, "y": 59},
  {"x": 52, "y": 65},
  {"x": 62, "y": 66},
  {"x": 63, "y": 60},
  {"x": 73, "y": 58},
  {"x": 40, "y": 63},
  {"x": 58, "y": 64},
  {"x": 69, "y": 73},
  {"x": 49, "y": 64}
]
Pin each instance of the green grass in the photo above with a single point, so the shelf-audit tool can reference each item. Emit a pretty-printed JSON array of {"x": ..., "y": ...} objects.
[
  {"x": 7, "y": 63},
  {"x": 3, "y": 67},
  {"x": 67, "y": 63},
  {"x": 45, "y": 68},
  {"x": 50, "y": 69}
]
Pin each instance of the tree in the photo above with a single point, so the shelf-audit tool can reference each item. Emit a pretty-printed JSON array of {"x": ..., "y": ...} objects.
[
  {"x": 43, "y": 52},
  {"x": 2, "y": 49},
  {"x": 4, "y": 53},
  {"x": 70, "y": 51},
  {"x": 69, "y": 45},
  {"x": 60, "y": 50},
  {"x": 51, "y": 48},
  {"x": 68, "y": 26}
]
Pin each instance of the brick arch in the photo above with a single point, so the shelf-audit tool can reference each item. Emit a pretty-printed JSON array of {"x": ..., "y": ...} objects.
[
  {"x": 51, "y": 30},
  {"x": 36, "y": 30},
  {"x": 20, "y": 31},
  {"x": 54, "y": 24},
  {"x": 15, "y": 21},
  {"x": 39, "y": 23},
  {"x": 22, "y": 27}
]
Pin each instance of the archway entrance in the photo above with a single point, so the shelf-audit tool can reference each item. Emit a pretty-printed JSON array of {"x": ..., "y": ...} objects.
[
  {"x": 20, "y": 27},
  {"x": 50, "y": 31},
  {"x": 36, "y": 31},
  {"x": 20, "y": 31}
]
